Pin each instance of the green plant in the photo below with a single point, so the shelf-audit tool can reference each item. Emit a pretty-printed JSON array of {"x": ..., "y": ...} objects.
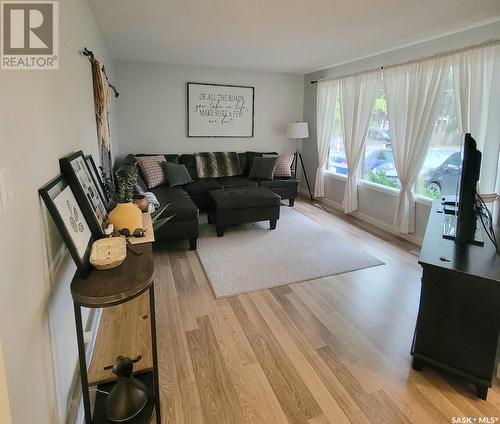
[
  {"x": 433, "y": 194},
  {"x": 125, "y": 185},
  {"x": 421, "y": 190},
  {"x": 156, "y": 219},
  {"x": 378, "y": 176}
]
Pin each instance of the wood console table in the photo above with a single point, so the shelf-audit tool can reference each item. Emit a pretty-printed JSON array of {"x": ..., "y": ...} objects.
[
  {"x": 459, "y": 315},
  {"x": 109, "y": 288}
]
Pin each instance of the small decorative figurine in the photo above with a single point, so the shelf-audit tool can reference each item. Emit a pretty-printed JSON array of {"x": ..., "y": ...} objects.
[{"x": 129, "y": 396}]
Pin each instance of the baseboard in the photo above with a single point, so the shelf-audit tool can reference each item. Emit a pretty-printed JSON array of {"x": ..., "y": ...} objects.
[
  {"x": 75, "y": 401},
  {"x": 366, "y": 218}
]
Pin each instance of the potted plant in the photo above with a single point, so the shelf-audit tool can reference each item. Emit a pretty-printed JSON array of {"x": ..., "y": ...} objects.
[{"x": 126, "y": 214}]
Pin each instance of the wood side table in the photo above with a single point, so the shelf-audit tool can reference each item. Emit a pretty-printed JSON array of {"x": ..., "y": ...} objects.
[{"x": 112, "y": 287}]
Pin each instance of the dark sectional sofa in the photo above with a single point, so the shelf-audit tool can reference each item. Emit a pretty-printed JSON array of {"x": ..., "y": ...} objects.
[{"x": 186, "y": 201}]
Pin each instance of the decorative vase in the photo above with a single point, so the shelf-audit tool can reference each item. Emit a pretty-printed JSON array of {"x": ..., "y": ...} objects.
[
  {"x": 126, "y": 215},
  {"x": 141, "y": 201}
]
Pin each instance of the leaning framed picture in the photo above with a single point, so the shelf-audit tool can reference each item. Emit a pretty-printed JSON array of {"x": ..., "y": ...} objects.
[
  {"x": 220, "y": 110},
  {"x": 86, "y": 192},
  {"x": 68, "y": 217},
  {"x": 94, "y": 173}
]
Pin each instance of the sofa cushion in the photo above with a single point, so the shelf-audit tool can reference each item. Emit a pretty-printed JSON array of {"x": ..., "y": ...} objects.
[
  {"x": 202, "y": 185},
  {"x": 152, "y": 170},
  {"x": 243, "y": 163},
  {"x": 166, "y": 193},
  {"x": 189, "y": 161},
  {"x": 244, "y": 198},
  {"x": 181, "y": 210},
  {"x": 263, "y": 168},
  {"x": 172, "y": 158},
  {"x": 177, "y": 174},
  {"x": 279, "y": 182},
  {"x": 237, "y": 182},
  {"x": 180, "y": 204}
]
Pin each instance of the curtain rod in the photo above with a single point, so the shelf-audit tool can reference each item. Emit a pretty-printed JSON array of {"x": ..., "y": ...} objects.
[
  {"x": 90, "y": 55},
  {"x": 482, "y": 45}
]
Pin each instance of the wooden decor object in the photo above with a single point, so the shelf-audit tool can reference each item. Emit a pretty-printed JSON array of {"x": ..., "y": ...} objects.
[{"x": 108, "y": 253}]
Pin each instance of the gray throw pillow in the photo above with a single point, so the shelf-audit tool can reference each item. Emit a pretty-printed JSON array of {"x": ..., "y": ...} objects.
[
  {"x": 176, "y": 174},
  {"x": 263, "y": 168}
]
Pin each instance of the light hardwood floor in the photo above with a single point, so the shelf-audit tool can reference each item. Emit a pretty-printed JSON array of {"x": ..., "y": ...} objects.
[{"x": 334, "y": 350}]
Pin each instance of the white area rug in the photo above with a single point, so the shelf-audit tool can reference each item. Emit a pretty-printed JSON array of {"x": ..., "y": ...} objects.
[{"x": 251, "y": 257}]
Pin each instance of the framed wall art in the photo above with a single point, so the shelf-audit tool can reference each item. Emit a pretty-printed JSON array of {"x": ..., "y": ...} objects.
[
  {"x": 94, "y": 173},
  {"x": 219, "y": 110},
  {"x": 86, "y": 192},
  {"x": 69, "y": 219}
]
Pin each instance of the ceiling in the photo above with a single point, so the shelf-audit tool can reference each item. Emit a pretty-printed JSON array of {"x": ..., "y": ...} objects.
[{"x": 276, "y": 35}]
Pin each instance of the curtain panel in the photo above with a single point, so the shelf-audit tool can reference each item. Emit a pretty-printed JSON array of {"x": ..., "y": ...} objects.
[
  {"x": 325, "y": 111},
  {"x": 357, "y": 96},
  {"x": 414, "y": 93},
  {"x": 472, "y": 78},
  {"x": 472, "y": 84},
  {"x": 102, "y": 104}
]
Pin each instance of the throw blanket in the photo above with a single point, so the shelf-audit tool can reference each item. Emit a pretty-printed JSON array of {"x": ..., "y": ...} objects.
[{"x": 217, "y": 164}]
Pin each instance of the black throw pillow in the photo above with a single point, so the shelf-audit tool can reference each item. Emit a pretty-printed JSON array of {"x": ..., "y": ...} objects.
[
  {"x": 263, "y": 168},
  {"x": 176, "y": 174}
]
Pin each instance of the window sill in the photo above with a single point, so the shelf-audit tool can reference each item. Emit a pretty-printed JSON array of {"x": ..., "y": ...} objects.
[
  {"x": 394, "y": 192},
  {"x": 332, "y": 174},
  {"x": 423, "y": 200},
  {"x": 379, "y": 187}
]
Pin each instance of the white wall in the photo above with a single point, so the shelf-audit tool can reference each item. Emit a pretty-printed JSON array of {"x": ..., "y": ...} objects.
[
  {"x": 152, "y": 108},
  {"x": 44, "y": 115},
  {"x": 375, "y": 205}
]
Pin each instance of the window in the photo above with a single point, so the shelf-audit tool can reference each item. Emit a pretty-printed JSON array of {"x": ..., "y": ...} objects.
[
  {"x": 336, "y": 158},
  {"x": 442, "y": 167},
  {"x": 378, "y": 163}
]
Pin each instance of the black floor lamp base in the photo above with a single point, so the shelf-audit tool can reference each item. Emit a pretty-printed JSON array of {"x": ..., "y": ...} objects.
[{"x": 298, "y": 156}]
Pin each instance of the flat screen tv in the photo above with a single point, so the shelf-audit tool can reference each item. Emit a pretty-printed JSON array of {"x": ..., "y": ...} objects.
[{"x": 466, "y": 216}]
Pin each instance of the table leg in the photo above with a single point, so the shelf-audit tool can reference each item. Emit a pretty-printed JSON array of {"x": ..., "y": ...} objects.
[
  {"x": 482, "y": 391},
  {"x": 156, "y": 384},
  {"x": 83, "y": 363}
]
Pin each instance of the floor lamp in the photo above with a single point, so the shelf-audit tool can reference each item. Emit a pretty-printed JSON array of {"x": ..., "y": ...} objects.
[{"x": 298, "y": 131}]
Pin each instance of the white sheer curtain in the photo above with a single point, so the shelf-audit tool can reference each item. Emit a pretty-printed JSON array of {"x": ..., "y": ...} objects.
[
  {"x": 472, "y": 78},
  {"x": 414, "y": 93},
  {"x": 357, "y": 95},
  {"x": 325, "y": 110}
]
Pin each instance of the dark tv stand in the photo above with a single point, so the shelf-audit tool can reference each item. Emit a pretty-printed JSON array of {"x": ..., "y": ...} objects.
[{"x": 458, "y": 320}]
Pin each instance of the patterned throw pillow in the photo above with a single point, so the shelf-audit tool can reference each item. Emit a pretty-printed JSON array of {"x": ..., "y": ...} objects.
[
  {"x": 152, "y": 170},
  {"x": 283, "y": 165}
]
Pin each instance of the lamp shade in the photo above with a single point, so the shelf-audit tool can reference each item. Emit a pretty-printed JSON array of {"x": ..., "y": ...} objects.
[{"x": 297, "y": 130}]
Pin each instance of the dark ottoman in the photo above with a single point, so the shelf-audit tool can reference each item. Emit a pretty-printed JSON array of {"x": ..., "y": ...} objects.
[{"x": 234, "y": 206}]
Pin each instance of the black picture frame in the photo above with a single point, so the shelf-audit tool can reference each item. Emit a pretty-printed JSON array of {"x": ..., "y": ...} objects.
[
  {"x": 189, "y": 84},
  {"x": 61, "y": 207},
  {"x": 86, "y": 192},
  {"x": 94, "y": 173}
]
